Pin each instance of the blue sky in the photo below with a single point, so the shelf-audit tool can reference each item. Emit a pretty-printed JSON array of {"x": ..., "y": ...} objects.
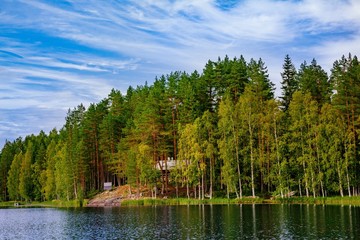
[{"x": 55, "y": 55}]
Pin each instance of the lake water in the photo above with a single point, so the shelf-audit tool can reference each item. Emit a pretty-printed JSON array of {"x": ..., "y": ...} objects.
[{"x": 183, "y": 222}]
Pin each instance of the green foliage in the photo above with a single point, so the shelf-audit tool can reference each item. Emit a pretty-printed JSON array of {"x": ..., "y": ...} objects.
[
  {"x": 48, "y": 175},
  {"x": 223, "y": 128},
  {"x": 228, "y": 127},
  {"x": 186, "y": 201},
  {"x": 25, "y": 177},
  {"x": 7, "y": 156},
  {"x": 313, "y": 79},
  {"x": 14, "y": 177}
]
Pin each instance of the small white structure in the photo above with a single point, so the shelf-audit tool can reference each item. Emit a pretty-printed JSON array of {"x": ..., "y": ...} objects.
[
  {"x": 171, "y": 163},
  {"x": 107, "y": 185}
]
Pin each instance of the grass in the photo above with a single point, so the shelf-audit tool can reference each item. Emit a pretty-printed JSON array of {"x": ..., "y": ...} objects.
[
  {"x": 186, "y": 201},
  {"x": 321, "y": 200},
  {"x": 53, "y": 204},
  {"x": 6, "y": 204},
  {"x": 355, "y": 201}
]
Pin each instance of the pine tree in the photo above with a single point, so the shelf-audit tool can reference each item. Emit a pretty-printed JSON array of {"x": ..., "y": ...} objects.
[
  {"x": 190, "y": 104},
  {"x": 85, "y": 125},
  {"x": 237, "y": 78},
  {"x": 110, "y": 133}
]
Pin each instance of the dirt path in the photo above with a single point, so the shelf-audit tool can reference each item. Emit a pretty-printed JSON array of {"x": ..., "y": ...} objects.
[{"x": 112, "y": 198}]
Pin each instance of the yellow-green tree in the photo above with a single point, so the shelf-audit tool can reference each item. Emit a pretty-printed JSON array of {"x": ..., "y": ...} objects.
[
  {"x": 13, "y": 179},
  {"x": 190, "y": 156},
  {"x": 229, "y": 146},
  {"x": 25, "y": 180}
]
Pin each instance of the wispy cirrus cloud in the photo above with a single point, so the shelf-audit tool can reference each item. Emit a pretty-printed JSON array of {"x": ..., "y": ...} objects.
[{"x": 57, "y": 54}]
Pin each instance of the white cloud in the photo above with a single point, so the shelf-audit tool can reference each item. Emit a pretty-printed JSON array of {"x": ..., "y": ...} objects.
[
  {"x": 146, "y": 38},
  {"x": 336, "y": 12}
]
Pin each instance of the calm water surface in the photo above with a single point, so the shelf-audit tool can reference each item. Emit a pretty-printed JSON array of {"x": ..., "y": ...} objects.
[{"x": 183, "y": 222}]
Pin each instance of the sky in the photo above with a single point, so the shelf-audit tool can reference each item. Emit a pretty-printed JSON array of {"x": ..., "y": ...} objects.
[{"x": 55, "y": 55}]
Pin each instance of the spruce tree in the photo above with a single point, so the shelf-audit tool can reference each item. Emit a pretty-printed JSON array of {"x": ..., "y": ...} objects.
[
  {"x": 289, "y": 82},
  {"x": 313, "y": 79},
  {"x": 260, "y": 83}
]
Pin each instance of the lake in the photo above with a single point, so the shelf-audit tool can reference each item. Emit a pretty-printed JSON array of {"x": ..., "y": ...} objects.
[{"x": 183, "y": 222}]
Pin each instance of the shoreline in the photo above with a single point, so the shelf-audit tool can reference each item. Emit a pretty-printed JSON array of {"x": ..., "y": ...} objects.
[
  {"x": 348, "y": 201},
  {"x": 342, "y": 201}
]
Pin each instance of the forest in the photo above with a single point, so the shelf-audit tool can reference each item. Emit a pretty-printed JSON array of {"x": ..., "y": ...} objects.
[{"x": 227, "y": 132}]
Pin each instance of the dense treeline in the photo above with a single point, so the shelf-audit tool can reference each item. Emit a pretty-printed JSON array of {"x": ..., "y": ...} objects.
[{"x": 223, "y": 127}]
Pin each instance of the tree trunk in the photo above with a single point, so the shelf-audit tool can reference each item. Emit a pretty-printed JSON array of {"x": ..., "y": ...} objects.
[
  {"x": 251, "y": 159},
  {"x": 203, "y": 186},
  {"x": 237, "y": 157},
  {"x": 187, "y": 190},
  {"x": 166, "y": 175},
  {"x": 340, "y": 182},
  {"x": 211, "y": 176},
  {"x": 278, "y": 159},
  {"x": 348, "y": 181}
]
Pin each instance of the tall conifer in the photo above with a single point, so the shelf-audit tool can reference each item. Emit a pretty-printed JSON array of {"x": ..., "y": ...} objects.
[{"x": 289, "y": 82}]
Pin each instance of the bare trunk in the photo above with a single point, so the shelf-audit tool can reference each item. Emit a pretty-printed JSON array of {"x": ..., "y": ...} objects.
[
  {"x": 347, "y": 170},
  {"x": 306, "y": 185},
  {"x": 166, "y": 175},
  {"x": 75, "y": 189},
  {"x": 177, "y": 190},
  {"x": 348, "y": 181},
  {"x": 251, "y": 161},
  {"x": 319, "y": 169},
  {"x": 211, "y": 177},
  {"x": 278, "y": 159},
  {"x": 304, "y": 166},
  {"x": 313, "y": 184},
  {"x": 199, "y": 191},
  {"x": 187, "y": 190},
  {"x": 239, "y": 176},
  {"x": 237, "y": 159},
  {"x": 228, "y": 191},
  {"x": 203, "y": 186},
  {"x": 340, "y": 182}
]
